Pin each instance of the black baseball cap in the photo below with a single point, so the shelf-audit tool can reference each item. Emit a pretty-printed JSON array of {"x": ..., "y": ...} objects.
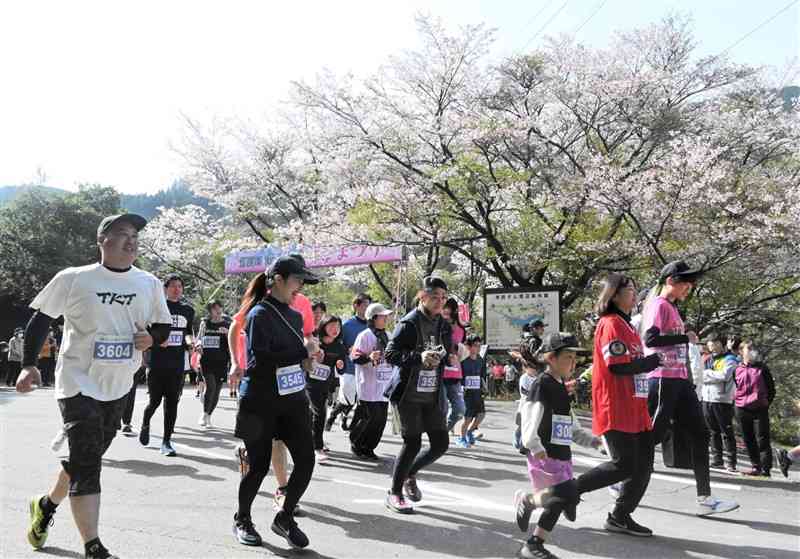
[
  {"x": 136, "y": 220},
  {"x": 680, "y": 270},
  {"x": 295, "y": 265},
  {"x": 537, "y": 324},
  {"x": 429, "y": 283},
  {"x": 559, "y": 340}
]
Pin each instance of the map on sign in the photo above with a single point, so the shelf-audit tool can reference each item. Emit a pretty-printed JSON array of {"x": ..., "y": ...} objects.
[{"x": 507, "y": 311}]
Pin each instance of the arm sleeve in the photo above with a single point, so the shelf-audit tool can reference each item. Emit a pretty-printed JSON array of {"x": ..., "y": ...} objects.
[
  {"x": 52, "y": 300},
  {"x": 401, "y": 349},
  {"x": 362, "y": 346},
  {"x": 765, "y": 372},
  {"x": 531, "y": 414},
  {"x": 653, "y": 338},
  {"x": 711, "y": 376},
  {"x": 260, "y": 342},
  {"x": 636, "y": 366},
  {"x": 159, "y": 332},
  {"x": 35, "y": 335},
  {"x": 581, "y": 435},
  {"x": 201, "y": 331}
]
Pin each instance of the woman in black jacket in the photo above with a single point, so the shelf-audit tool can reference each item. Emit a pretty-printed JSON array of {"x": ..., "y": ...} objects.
[{"x": 272, "y": 395}]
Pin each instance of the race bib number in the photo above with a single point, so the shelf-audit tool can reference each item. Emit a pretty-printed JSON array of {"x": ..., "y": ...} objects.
[
  {"x": 210, "y": 342},
  {"x": 320, "y": 372},
  {"x": 113, "y": 350},
  {"x": 641, "y": 386},
  {"x": 561, "y": 433},
  {"x": 175, "y": 338},
  {"x": 384, "y": 372},
  {"x": 426, "y": 382},
  {"x": 472, "y": 383},
  {"x": 291, "y": 379}
]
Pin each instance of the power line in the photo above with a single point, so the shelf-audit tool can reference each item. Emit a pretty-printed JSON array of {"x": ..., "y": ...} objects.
[
  {"x": 548, "y": 23},
  {"x": 594, "y": 13},
  {"x": 759, "y": 26},
  {"x": 537, "y": 14}
]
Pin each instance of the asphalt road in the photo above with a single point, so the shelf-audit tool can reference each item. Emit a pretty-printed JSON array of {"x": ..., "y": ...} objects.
[{"x": 154, "y": 506}]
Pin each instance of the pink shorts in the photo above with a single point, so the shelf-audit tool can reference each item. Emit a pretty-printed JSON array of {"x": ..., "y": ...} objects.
[{"x": 545, "y": 472}]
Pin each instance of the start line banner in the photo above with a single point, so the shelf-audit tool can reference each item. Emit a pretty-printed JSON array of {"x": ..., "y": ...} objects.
[{"x": 249, "y": 261}]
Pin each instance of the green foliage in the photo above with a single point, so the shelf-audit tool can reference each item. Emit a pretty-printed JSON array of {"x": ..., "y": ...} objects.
[{"x": 40, "y": 235}]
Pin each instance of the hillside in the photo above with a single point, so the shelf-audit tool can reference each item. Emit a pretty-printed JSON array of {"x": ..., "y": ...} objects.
[{"x": 146, "y": 205}]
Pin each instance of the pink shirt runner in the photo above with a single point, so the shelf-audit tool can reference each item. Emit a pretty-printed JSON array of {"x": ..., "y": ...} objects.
[{"x": 664, "y": 315}]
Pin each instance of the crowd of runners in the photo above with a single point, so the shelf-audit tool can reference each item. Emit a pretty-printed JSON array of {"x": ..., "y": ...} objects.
[{"x": 297, "y": 372}]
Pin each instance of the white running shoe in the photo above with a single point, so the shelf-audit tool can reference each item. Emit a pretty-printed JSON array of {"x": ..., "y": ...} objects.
[
  {"x": 706, "y": 506},
  {"x": 58, "y": 441},
  {"x": 208, "y": 421},
  {"x": 202, "y": 422}
]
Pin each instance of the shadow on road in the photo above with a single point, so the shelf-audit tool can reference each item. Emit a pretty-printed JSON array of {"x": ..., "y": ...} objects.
[
  {"x": 603, "y": 544},
  {"x": 157, "y": 469},
  {"x": 788, "y": 529}
]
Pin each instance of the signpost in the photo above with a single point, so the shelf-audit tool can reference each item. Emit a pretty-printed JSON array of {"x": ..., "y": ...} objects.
[{"x": 507, "y": 310}]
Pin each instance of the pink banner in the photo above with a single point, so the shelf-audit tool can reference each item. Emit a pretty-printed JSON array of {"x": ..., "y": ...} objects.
[{"x": 251, "y": 261}]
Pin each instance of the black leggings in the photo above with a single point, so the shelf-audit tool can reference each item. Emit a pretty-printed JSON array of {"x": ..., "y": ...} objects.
[
  {"x": 631, "y": 460},
  {"x": 410, "y": 461},
  {"x": 215, "y": 378},
  {"x": 319, "y": 409},
  {"x": 292, "y": 425},
  {"x": 166, "y": 384},
  {"x": 675, "y": 399},
  {"x": 14, "y": 369}
]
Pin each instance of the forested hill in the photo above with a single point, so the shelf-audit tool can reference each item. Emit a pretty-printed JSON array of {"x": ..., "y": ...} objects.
[{"x": 144, "y": 204}]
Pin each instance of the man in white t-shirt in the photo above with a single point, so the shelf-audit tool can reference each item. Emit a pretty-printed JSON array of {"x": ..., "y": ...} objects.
[{"x": 106, "y": 307}]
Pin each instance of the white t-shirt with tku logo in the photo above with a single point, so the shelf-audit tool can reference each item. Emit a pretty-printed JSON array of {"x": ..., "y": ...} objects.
[{"x": 101, "y": 309}]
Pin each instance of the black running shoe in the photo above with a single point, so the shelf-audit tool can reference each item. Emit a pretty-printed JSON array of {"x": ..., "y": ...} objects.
[
  {"x": 534, "y": 549},
  {"x": 98, "y": 551},
  {"x": 784, "y": 461},
  {"x": 523, "y": 508},
  {"x": 144, "y": 434},
  {"x": 370, "y": 455},
  {"x": 357, "y": 452},
  {"x": 411, "y": 489},
  {"x": 245, "y": 531},
  {"x": 285, "y": 526},
  {"x": 626, "y": 526}
]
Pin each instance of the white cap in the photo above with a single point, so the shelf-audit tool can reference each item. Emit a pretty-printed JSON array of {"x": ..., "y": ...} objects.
[{"x": 376, "y": 309}]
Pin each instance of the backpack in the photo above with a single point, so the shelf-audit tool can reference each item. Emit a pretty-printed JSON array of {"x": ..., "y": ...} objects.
[{"x": 751, "y": 388}]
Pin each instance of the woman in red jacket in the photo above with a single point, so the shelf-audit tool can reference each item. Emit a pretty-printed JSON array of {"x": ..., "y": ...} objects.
[{"x": 619, "y": 405}]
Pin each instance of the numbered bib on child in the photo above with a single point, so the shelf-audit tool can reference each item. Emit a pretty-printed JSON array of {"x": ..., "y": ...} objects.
[
  {"x": 426, "y": 381},
  {"x": 641, "y": 386},
  {"x": 384, "y": 372},
  {"x": 472, "y": 383},
  {"x": 561, "y": 432},
  {"x": 320, "y": 372},
  {"x": 290, "y": 379},
  {"x": 175, "y": 338},
  {"x": 113, "y": 350},
  {"x": 211, "y": 342}
]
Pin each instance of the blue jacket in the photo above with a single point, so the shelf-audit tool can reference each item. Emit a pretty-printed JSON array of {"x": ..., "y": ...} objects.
[{"x": 351, "y": 328}]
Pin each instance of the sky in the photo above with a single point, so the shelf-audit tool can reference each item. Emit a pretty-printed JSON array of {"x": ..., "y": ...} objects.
[{"x": 94, "y": 91}]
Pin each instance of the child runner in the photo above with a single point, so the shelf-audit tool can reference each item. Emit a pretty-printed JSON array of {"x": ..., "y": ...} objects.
[
  {"x": 320, "y": 380},
  {"x": 548, "y": 429},
  {"x": 474, "y": 370}
]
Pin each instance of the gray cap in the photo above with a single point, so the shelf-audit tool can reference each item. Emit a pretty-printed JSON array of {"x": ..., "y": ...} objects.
[
  {"x": 136, "y": 220},
  {"x": 376, "y": 309}
]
